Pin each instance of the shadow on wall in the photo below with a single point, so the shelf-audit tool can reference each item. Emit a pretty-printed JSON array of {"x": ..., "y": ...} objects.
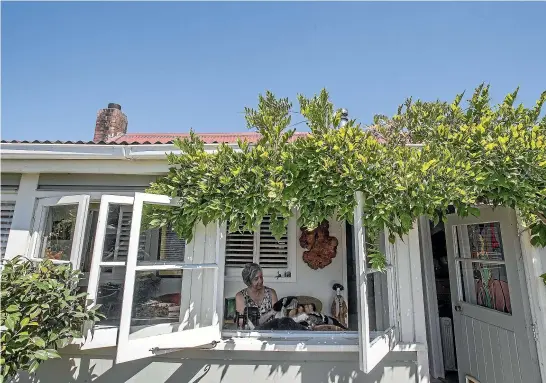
[{"x": 397, "y": 367}]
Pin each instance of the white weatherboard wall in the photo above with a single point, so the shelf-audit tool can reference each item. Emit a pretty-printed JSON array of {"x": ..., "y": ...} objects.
[
  {"x": 204, "y": 366},
  {"x": 315, "y": 283}
]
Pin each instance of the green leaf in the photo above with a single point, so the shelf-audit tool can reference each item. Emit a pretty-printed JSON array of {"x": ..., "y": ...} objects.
[
  {"x": 474, "y": 211},
  {"x": 38, "y": 341},
  {"x": 428, "y": 164},
  {"x": 53, "y": 354},
  {"x": 41, "y": 354},
  {"x": 10, "y": 322},
  {"x": 12, "y": 308},
  {"x": 24, "y": 322},
  {"x": 33, "y": 366},
  {"x": 35, "y": 313}
]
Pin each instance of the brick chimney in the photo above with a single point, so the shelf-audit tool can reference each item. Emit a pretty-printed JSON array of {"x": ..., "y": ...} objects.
[{"x": 111, "y": 123}]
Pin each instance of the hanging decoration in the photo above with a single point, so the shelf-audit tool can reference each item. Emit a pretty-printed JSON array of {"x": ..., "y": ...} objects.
[{"x": 321, "y": 247}]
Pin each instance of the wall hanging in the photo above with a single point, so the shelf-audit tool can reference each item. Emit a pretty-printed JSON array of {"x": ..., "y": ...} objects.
[{"x": 321, "y": 247}]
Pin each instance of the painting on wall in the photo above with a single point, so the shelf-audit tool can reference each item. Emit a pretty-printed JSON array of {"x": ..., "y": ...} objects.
[{"x": 229, "y": 309}]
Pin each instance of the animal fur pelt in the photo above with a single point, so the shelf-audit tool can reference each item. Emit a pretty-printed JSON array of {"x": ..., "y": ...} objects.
[
  {"x": 282, "y": 324},
  {"x": 284, "y": 305},
  {"x": 314, "y": 319}
]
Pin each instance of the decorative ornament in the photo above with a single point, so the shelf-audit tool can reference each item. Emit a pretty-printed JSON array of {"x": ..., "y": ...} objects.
[
  {"x": 339, "y": 306},
  {"x": 321, "y": 247}
]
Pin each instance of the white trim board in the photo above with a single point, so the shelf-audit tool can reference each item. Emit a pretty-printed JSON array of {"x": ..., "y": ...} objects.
[
  {"x": 434, "y": 338},
  {"x": 534, "y": 262},
  {"x": 19, "y": 236}
]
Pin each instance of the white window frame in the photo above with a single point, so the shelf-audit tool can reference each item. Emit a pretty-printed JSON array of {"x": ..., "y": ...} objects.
[
  {"x": 271, "y": 274},
  {"x": 372, "y": 346},
  {"x": 98, "y": 336},
  {"x": 102, "y": 336},
  {"x": 40, "y": 214},
  {"x": 371, "y": 350},
  {"x": 133, "y": 349}
]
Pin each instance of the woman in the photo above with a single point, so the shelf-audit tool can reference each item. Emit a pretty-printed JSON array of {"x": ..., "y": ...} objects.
[{"x": 256, "y": 294}]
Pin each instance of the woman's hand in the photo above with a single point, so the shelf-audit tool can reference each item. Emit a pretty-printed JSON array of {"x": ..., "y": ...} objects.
[{"x": 264, "y": 318}]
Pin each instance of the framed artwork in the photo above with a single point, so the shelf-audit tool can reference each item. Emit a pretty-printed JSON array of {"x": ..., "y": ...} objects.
[{"x": 229, "y": 308}]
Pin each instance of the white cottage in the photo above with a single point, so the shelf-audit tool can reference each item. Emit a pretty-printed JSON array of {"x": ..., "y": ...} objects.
[{"x": 438, "y": 311}]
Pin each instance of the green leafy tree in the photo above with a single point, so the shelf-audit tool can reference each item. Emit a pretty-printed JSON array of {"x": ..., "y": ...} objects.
[
  {"x": 41, "y": 312},
  {"x": 466, "y": 155}
]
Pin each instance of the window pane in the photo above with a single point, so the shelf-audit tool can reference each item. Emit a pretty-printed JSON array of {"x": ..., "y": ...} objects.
[
  {"x": 60, "y": 223},
  {"x": 374, "y": 246},
  {"x": 164, "y": 304},
  {"x": 239, "y": 247},
  {"x": 110, "y": 294},
  {"x": 159, "y": 245},
  {"x": 378, "y": 301},
  {"x": 313, "y": 291},
  {"x": 484, "y": 242},
  {"x": 89, "y": 237},
  {"x": 486, "y": 285}
]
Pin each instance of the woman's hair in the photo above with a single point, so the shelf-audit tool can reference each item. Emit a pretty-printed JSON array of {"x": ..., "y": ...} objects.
[{"x": 249, "y": 272}]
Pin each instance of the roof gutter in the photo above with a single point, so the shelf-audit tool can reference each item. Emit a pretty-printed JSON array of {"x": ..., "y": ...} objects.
[{"x": 29, "y": 151}]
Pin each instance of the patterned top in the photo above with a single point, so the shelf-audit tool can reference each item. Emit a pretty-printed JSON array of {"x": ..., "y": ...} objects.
[{"x": 265, "y": 305}]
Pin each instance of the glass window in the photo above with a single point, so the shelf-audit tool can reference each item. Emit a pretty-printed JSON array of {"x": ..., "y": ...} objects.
[
  {"x": 480, "y": 260},
  {"x": 261, "y": 247},
  {"x": 59, "y": 225},
  {"x": 169, "y": 299}
]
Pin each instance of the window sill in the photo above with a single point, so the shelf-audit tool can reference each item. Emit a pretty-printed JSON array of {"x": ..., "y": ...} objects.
[
  {"x": 288, "y": 345},
  {"x": 290, "y": 335},
  {"x": 309, "y": 345},
  {"x": 263, "y": 341}
]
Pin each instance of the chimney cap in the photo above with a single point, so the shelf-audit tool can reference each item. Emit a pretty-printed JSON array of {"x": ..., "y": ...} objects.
[
  {"x": 344, "y": 117},
  {"x": 113, "y": 105}
]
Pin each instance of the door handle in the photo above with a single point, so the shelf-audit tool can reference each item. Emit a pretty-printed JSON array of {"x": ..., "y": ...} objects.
[{"x": 458, "y": 308}]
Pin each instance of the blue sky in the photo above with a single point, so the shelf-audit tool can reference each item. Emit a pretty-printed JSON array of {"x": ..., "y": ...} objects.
[{"x": 175, "y": 65}]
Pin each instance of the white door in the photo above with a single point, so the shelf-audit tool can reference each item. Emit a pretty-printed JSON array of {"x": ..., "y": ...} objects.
[{"x": 494, "y": 344}]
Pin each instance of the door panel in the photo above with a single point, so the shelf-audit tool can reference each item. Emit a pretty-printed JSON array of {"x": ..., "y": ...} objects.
[{"x": 491, "y": 337}]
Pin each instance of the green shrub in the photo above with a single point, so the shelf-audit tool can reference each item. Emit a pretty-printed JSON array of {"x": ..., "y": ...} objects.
[{"x": 41, "y": 312}]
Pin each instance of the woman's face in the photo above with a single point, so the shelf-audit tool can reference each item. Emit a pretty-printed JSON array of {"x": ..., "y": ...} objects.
[{"x": 258, "y": 281}]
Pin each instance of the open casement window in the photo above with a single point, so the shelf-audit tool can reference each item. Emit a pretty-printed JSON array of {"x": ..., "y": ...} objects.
[
  {"x": 108, "y": 264},
  {"x": 170, "y": 297},
  {"x": 276, "y": 257},
  {"x": 376, "y": 295},
  {"x": 58, "y": 231}
]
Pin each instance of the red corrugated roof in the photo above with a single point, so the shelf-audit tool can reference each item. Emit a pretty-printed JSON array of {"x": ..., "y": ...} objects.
[{"x": 157, "y": 138}]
